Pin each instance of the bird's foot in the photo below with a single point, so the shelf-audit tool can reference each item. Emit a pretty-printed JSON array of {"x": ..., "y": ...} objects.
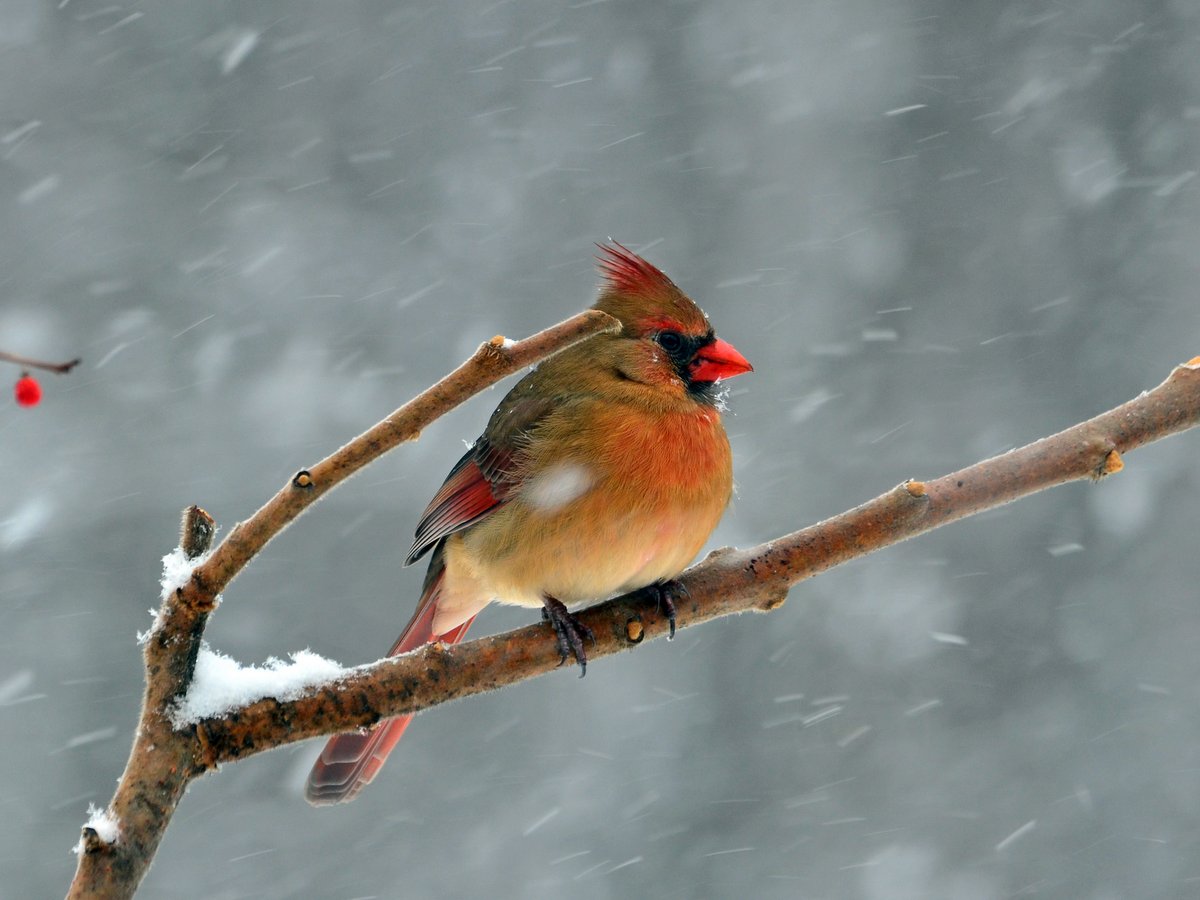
[
  {"x": 664, "y": 593},
  {"x": 571, "y": 632}
]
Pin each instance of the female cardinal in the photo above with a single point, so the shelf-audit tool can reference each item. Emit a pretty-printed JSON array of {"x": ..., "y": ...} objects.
[{"x": 603, "y": 471}]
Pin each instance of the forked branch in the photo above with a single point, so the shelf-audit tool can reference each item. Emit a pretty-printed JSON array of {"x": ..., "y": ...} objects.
[{"x": 163, "y": 761}]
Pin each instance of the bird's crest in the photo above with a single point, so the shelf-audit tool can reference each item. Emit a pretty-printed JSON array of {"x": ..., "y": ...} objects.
[
  {"x": 641, "y": 295},
  {"x": 624, "y": 270}
]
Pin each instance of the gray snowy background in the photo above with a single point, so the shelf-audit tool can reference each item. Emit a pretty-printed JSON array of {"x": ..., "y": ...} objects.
[{"x": 939, "y": 230}]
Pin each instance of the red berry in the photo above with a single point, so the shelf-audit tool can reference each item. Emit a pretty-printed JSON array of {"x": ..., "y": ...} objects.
[{"x": 28, "y": 391}]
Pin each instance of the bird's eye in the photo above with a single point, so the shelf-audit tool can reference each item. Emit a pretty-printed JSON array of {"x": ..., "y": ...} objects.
[{"x": 671, "y": 341}]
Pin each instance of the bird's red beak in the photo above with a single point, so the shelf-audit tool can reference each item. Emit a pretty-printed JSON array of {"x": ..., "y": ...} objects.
[{"x": 718, "y": 360}]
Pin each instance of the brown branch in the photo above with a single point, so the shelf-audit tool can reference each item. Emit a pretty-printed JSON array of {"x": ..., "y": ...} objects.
[
  {"x": 161, "y": 764},
  {"x": 729, "y": 581},
  {"x": 164, "y": 761},
  {"x": 59, "y": 368}
]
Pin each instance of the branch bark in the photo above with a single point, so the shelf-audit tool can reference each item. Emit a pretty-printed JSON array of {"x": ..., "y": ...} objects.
[{"x": 729, "y": 581}]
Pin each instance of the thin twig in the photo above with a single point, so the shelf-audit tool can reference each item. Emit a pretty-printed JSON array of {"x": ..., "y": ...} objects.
[{"x": 60, "y": 368}]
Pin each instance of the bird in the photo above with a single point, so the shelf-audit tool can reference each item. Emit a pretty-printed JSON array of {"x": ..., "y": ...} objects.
[{"x": 603, "y": 471}]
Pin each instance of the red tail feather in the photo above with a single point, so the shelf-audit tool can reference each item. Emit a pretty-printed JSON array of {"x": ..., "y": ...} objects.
[{"x": 350, "y": 761}]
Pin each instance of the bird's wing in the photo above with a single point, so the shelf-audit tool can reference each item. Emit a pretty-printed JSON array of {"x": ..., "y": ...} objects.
[{"x": 487, "y": 475}]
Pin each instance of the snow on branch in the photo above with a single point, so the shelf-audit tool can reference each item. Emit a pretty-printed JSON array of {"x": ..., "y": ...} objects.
[{"x": 220, "y": 684}]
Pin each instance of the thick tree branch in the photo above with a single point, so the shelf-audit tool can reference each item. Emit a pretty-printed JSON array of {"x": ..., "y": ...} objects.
[{"x": 728, "y": 581}]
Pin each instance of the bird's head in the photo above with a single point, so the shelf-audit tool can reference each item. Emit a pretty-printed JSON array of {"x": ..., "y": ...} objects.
[{"x": 669, "y": 340}]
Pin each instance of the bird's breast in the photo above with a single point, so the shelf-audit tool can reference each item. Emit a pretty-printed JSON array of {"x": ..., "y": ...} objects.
[{"x": 623, "y": 501}]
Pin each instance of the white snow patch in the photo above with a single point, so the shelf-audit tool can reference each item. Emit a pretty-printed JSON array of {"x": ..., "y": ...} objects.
[
  {"x": 103, "y": 823},
  {"x": 221, "y": 684},
  {"x": 557, "y": 486},
  {"x": 177, "y": 570}
]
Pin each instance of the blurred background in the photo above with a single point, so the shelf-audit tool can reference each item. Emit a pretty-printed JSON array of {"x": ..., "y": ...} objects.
[{"x": 938, "y": 229}]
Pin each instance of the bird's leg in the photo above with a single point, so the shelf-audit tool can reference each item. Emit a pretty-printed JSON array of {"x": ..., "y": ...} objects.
[
  {"x": 664, "y": 594},
  {"x": 571, "y": 632}
]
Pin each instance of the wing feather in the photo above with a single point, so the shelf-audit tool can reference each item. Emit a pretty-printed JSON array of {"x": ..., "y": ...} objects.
[
  {"x": 489, "y": 473},
  {"x": 478, "y": 483}
]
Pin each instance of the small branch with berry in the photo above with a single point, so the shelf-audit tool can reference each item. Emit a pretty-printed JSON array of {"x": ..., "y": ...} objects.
[{"x": 27, "y": 390}]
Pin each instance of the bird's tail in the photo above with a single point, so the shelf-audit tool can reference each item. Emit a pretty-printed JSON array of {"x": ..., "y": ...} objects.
[{"x": 349, "y": 761}]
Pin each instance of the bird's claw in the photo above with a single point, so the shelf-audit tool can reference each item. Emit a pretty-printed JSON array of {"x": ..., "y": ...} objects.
[
  {"x": 570, "y": 631},
  {"x": 664, "y": 594}
]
